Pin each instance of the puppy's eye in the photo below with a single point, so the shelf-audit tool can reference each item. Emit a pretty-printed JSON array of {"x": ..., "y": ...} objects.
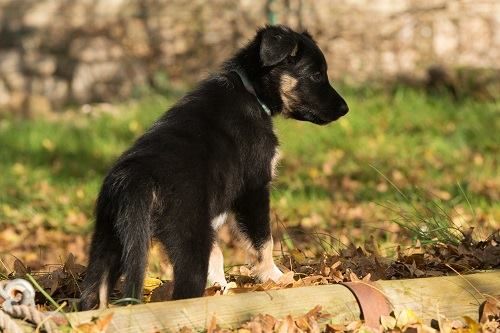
[{"x": 316, "y": 77}]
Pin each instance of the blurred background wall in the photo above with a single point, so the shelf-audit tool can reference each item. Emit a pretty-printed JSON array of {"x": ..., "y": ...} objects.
[{"x": 55, "y": 52}]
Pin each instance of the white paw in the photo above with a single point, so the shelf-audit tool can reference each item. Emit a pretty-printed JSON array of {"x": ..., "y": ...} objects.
[
  {"x": 272, "y": 274},
  {"x": 227, "y": 289},
  {"x": 221, "y": 281}
]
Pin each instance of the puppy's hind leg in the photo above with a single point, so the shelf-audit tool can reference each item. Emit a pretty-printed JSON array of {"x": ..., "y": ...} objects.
[{"x": 188, "y": 244}]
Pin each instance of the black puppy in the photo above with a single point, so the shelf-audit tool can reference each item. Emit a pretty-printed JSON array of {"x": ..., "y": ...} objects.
[{"x": 211, "y": 155}]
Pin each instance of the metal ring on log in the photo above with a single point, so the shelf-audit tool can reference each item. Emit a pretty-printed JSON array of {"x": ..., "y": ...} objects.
[{"x": 372, "y": 302}]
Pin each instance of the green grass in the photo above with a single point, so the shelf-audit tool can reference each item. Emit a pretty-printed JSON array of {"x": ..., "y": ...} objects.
[{"x": 51, "y": 169}]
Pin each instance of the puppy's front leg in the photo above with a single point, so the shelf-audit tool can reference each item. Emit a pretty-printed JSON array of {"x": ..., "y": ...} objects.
[
  {"x": 253, "y": 227},
  {"x": 216, "y": 267}
]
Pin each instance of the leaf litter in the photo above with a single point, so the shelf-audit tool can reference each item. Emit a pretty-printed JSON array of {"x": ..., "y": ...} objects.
[
  {"x": 352, "y": 263},
  {"x": 316, "y": 321}
]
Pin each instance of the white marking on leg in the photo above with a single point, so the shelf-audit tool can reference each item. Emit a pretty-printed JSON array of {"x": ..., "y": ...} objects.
[
  {"x": 216, "y": 267},
  {"x": 264, "y": 266},
  {"x": 219, "y": 220},
  {"x": 261, "y": 259},
  {"x": 103, "y": 291}
]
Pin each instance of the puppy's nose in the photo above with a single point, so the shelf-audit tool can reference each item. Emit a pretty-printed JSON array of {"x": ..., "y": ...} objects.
[{"x": 343, "y": 109}]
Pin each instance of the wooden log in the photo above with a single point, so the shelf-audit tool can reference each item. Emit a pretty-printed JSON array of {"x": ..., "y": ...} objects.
[
  {"x": 229, "y": 310},
  {"x": 451, "y": 296}
]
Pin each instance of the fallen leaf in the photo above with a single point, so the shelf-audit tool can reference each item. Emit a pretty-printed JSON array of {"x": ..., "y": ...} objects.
[
  {"x": 474, "y": 326},
  {"x": 388, "y": 322},
  {"x": 353, "y": 326},
  {"x": 298, "y": 256},
  {"x": 489, "y": 309},
  {"x": 163, "y": 292},
  {"x": 286, "y": 279},
  {"x": 212, "y": 326},
  {"x": 151, "y": 284},
  {"x": 334, "y": 328},
  {"x": 97, "y": 325},
  {"x": 407, "y": 317},
  {"x": 287, "y": 325},
  {"x": 19, "y": 268}
]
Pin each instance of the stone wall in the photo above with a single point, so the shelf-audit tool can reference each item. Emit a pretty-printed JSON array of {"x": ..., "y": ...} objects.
[{"x": 54, "y": 52}]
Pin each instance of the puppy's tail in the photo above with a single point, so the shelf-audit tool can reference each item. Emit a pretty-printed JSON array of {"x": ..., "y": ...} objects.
[{"x": 120, "y": 242}]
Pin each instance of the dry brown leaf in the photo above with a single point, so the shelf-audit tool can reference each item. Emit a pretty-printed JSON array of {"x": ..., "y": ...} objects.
[
  {"x": 286, "y": 279},
  {"x": 352, "y": 326},
  {"x": 99, "y": 325},
  {"x": 254, "y": 327},
  {"x": 287, "y": 325},
  {"x": 334, "y": 328},
  {"x": 268, "y": 285},
  {"x": 150, "y": 284},
  {"x": 302, "y": 323},
  {"x": 490, "y": 309},
  {"x": 213, "y": 290},
  {"x": 388, "y": 322},
  {"x": 72, "y": 267},
  {"x": 268, "y": 323},
  {"x": 492, "y": 326},
  {"x": 163, "y": 292},
  {"x": 298, "y": 256},
  {"x": 212, "y": 326},
  {"x": 336, "y": 265},
  {"x": 19, "y": 268},
  {"x": 474, "y": 326},
  {"x": 311, "y": 280},
  {"x": 261, "y": 323},
  {"x": 407, "y": 317},
  {"x": 353, "y": 277}
]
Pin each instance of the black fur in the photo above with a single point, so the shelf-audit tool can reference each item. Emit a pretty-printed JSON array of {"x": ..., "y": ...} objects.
[{"x": 209, "y": 154}]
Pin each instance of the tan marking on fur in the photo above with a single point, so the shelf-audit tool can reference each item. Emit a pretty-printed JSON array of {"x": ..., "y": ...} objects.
[
  {"x": 288, "y": 97},
  {"x": 263, "y": 265},
  {"x": 103, "y": 291},
  {"x": 216, "y": 267},
  {"x": 274, "y": 162}
]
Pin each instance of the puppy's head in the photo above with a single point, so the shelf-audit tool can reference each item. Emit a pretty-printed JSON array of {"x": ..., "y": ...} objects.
[{"x": 294, "y": 72}]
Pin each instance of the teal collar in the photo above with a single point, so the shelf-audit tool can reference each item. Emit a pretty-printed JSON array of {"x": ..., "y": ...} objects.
[{"x": 250, "y": 89}]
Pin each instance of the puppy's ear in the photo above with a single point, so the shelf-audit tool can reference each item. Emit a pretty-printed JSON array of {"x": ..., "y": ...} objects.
[
  {"x": 277, "y": 44},
  {"x": 307, "y": 34}
]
